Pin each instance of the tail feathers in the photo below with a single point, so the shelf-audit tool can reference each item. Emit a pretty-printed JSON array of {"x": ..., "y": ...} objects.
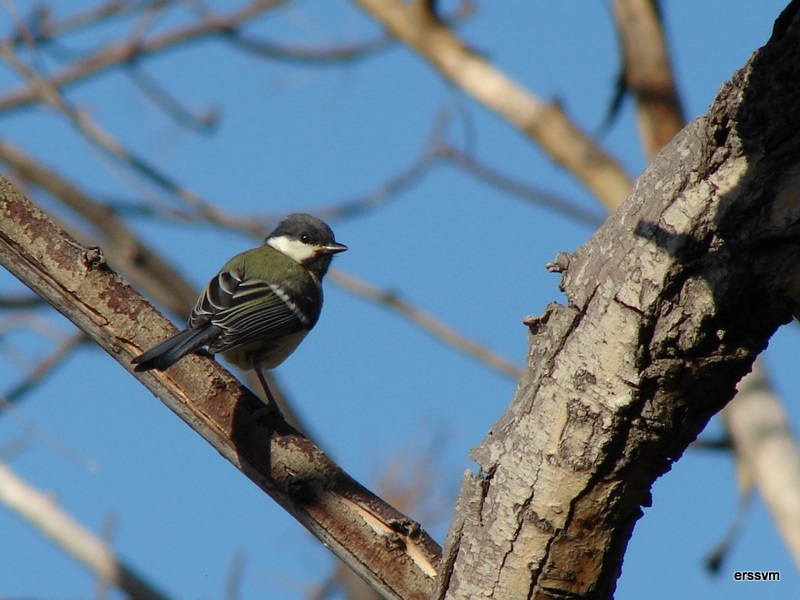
[{"x": 171, "y": 350}]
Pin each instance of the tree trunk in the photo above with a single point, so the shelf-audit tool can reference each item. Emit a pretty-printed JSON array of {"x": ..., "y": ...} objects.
[{"x": 669, "y": 304}]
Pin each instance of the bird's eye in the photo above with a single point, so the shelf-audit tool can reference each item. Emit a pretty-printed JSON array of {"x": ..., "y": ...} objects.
[{"x": 305, "y": 238}]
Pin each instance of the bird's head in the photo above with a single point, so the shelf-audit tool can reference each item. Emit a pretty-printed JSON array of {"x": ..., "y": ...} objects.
[{"x": 307, "y": 240}]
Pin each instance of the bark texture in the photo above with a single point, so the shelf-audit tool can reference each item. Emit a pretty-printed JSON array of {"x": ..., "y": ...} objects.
[{"x": 669, "y": 305}]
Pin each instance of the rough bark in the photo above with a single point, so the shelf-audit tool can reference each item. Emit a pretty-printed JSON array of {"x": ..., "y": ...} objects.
[
  {"x": 669, "y": 305},
  {"x": 762, "y": 443}
]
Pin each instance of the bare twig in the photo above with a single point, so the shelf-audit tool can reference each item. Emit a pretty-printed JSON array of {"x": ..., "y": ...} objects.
[
  {"x": 307, "y": 55},
  {"x": 233, "y": 582},
  {"x": 20, "y": 301},
  {"x": 115, "y": 55},
  {"x": 171, "y": 106},
  {"x": 433, "y": 326},
  {"x": 45, "y": 367},
  {"x": 391, "y": 188},
  {"x": 545, "y": 123},
  {"x": 99, "y": 138},
  {"x": 716, "y": 557},
  {"x": 123, "y": 247},
  {"x": 46, "y": 27},
  {"x": 30, "y": 431},
  {"x": 648, "y": 73},
  {"x": 343, "y": 53},
  {"x": 500, "y": 181},
  {"x": 43, "y": 513}
]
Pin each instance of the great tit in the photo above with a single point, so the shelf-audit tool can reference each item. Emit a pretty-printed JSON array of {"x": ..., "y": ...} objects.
[{"x": 260, "y": 305}]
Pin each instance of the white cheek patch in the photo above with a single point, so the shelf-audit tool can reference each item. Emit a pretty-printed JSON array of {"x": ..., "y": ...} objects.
[{"x": 294, "y": 249}]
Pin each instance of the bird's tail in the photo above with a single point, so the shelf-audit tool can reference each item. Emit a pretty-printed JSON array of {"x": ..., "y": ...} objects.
[{"x": 171, "y": 350}]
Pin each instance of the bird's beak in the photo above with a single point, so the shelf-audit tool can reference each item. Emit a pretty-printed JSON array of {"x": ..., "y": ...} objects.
[{"x": 333, "y": 248}]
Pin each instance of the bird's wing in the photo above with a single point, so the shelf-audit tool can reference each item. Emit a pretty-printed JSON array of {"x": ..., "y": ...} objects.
[
  {"x": 245, "y": 310},
  {"x": 217, "y": 297}
]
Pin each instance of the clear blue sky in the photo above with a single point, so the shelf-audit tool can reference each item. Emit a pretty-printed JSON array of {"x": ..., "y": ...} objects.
[{"x": 372, "y": 387}]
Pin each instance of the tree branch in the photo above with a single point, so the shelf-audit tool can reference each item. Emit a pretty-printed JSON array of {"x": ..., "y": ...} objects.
[
  {"x": 669, "y": 305},
  {"x": 426, "y": 322},
  {"x": 115, "y": 55},
  {"x": 648, "y": 73},
  {"x": 763, "y": 440},
  {"x": 385, "y": 547},
  {"x": 544, "y": 122},
  {"x": 648, "y": 76},
  {"x": 128, "y": 254},
  {"x": 43, "y": 513}
]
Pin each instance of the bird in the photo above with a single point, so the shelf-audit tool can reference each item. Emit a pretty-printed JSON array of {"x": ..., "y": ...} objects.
[{"x": 261, "y": 304}]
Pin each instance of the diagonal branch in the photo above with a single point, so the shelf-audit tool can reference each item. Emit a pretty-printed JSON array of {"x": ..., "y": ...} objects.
[
  {"x": 669, "y": 304},
  {"x": 763, "y": 441},
  {"x": 544, "y": 122},
  {"x": 45, "y": 27},
  {"x": 43, "y": 368},
  {"x": 40, "y": 510},
  {"x": 127, "y": 252},
  {"x": 649, "y": 77},
  {"x": 102, "y": 140},
  {"x": 384, "y": 546},
  {"x": 425, "y": 321},
  {"x": 500, "y": 181},
  {"x": 115, "y": 55}
]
